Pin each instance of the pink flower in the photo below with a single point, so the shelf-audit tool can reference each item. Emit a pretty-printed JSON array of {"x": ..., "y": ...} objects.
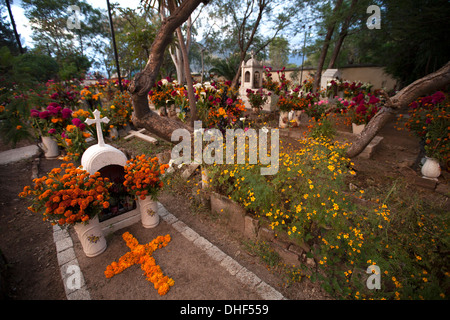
[{"x": 52, "y": 131}]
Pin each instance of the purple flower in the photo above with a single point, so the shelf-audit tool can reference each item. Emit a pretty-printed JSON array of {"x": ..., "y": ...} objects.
[
  {"x": 229, "y": 101},
  {"x": 437, "y": 97},
  {"x": 63, "y": 135},
  {"x": 66, "y": 113},
  {"x": 373, "y": 100},
  {"x": 361, "y": 109},
  {"x": 34, "y": 113},
  {"x": 52, "y": 131},
  {"x": 76, "y": 122},
  {"x": 44, "y": 114},
  {"x": 82, "y": 127},
  {"x": 52, "y": 111},
  {"x": 53, "y": 104}
]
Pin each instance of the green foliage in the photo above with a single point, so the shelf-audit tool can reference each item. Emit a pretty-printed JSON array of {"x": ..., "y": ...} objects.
[
  {"x": 37, "y": 67},
  {"x": 396, "y": 229},
  {"x": 279, "y": 52},
  {"x": 226, "y": 68}
]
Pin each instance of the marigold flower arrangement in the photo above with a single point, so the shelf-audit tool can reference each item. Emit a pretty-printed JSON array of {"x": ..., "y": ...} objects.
[
  {"x": 68, "y": 195},
  {"x": 142, "y": 254},
  {"x": 119, "y": 112},
  {"x": 143, "y": 176},
  {"x": 162, "y": 93}
]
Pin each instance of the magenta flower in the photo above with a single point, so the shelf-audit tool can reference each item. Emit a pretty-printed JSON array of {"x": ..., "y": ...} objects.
[
  {"x": 66, "y": 113},
  {"x": 52, "y": 131},
  {"x": 437, "y": 97},
  {"x": 77, "y": 122},
  {"x": 34, "y": 113},
  {"x": 44, "y": 114},
  {"x": 373, "y": 100}
]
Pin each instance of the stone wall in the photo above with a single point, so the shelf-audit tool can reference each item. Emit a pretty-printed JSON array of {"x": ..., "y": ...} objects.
[
  {"x": 374, "y": 75},
  {"x": 238, "y": 220}
]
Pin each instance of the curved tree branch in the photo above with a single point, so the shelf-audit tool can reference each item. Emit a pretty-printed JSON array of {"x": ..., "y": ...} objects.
[{"x": 426, "y": 85}]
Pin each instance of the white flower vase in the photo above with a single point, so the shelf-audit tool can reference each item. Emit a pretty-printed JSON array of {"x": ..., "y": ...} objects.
[
  {"x": 284, "y": 119},
  {"x": 357, "y": 129},
  {"x": 296, "y": 117},
  {"x": 91, "y": 237},
  {"x": 149, "y": 212},
  {"x": 50, "y": 147},
  {"x": 431, "y": 169}
]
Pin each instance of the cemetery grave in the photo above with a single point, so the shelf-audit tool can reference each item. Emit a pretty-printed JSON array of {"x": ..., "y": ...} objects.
[{"x": 345, "y": 182}]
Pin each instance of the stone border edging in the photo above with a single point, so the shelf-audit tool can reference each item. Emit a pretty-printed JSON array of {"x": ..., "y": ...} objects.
[{"x": 66, "y": 257}]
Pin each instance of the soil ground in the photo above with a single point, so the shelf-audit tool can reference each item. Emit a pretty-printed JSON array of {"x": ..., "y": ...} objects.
[{"x": 33, "y": 272}]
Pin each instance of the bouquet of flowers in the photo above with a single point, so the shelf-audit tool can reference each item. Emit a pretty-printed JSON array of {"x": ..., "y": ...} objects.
[
  {"x": 68, "y": 195},
  {"x": 430, "y": 121},
  {"x": 161, "y": 94},
  {"x": 143, "y": 176},
  {"x": 362, "y": 108},
  {"x": 50, "y": 121},
  {"x": 256, "y": 98}
]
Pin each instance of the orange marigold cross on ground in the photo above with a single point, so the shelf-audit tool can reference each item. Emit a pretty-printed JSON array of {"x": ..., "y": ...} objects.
[{"x": 142, "y": 254}]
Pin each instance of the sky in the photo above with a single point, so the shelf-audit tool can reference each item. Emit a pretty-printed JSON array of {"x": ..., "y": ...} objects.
[
  {"x": 25, "y": 31},
  {"x": 24, "y": 28}
]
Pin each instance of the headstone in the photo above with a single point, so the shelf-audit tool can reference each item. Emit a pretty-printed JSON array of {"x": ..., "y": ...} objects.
[
  {"x": 328, "y": 75},
  {"x": 252, "y": 73},
  {"x": 109, "y": 161}
]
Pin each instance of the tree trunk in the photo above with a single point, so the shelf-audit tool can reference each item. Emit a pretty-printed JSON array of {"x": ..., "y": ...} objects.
[
  {"x": 342, "y": 35},
  {"x": 143, "y": 81},
  {"x": 187, "y": 72},
  {"x": 326, "y": 44},
  {"x": 426, "y": 85}
]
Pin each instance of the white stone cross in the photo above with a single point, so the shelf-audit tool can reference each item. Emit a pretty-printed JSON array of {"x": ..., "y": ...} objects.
[{"x": 97, "y": 120}]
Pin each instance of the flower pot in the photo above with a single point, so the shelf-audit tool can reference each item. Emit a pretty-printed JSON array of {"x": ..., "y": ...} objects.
[
  {"x": 91, "y": 237},
  {"x": 431, "y": 169},
  {"x": 284, "y": 119},
  {"x": 357, "y": 129},
  {"x": 50, "y": 147},
  {"x": 296, "y": 118},
  {"x": 149, "y": 212}
]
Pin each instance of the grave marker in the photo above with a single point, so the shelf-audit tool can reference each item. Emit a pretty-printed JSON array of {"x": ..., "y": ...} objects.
[{"x": 110, "y": 162}]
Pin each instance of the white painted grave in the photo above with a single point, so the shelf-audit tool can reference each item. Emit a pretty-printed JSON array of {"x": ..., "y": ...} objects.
[
  {"x": 328, "y": 75},
  {"x": 252, "y": 73},
  {"x": 110, "y": 161}
]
